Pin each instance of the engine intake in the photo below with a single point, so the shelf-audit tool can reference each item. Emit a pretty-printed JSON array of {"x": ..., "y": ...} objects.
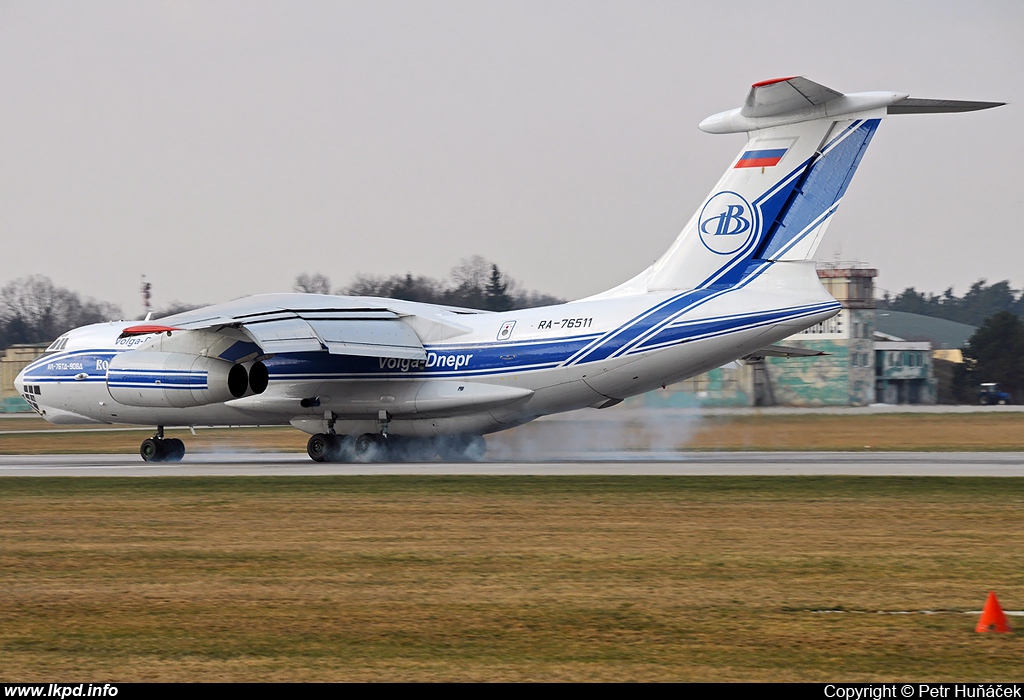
[{"x": 173, "y": 379}]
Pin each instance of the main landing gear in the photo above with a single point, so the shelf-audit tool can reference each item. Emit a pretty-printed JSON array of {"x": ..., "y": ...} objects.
[
  {"x": 376, "y": 447},
  {"x": 161, "y": 449}
]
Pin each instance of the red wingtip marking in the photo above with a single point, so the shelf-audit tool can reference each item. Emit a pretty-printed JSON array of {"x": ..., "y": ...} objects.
[
  {"x": 773, "y": 81},
  {"x": 144, "y": 328}
]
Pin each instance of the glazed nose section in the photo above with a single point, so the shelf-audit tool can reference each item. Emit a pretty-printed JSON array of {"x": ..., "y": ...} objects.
[{"x": 28, "y": 391}]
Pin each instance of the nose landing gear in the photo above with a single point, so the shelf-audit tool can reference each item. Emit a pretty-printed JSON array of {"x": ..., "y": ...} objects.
[{"x": 161, "y": 449}]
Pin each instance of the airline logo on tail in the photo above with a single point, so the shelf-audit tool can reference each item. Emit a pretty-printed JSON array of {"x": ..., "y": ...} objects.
[{"x": 727, "y": 223}]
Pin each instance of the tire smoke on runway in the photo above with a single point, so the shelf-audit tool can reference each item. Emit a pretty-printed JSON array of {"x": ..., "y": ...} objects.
[{"x": 621, "y": 436}]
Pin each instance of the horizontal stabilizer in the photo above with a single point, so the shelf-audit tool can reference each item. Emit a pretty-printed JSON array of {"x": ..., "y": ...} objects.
[
  {"x": 782, "y": 95},
  {"x": 782, "y": 101},
  {"x": 783, "y": 351},
  {"x": 918, "y": 105}
]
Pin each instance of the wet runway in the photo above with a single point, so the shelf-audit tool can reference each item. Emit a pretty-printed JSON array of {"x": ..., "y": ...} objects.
[{"x": 605, "y": 463}]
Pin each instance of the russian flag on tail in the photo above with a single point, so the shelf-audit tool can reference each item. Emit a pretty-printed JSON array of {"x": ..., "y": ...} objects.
[{"x": 761, "y": 158}]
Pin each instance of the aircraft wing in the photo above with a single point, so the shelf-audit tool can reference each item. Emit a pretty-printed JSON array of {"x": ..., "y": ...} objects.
[
  {"x": 346, "y": 328},
  {"x": 366, "y": 332}
]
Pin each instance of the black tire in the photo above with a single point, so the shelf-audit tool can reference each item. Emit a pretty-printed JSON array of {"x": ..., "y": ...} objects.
[
  {"x": 318, "y": 448},
  {"x": 152, "y": 450},
  {"x": 371, "y": 447},
  {"x": 340, "y": 448},
  {"x": 175, "y": 449}
]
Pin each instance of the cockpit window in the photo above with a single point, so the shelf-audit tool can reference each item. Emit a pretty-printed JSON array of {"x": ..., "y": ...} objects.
[{"x": 58, "y": 344}]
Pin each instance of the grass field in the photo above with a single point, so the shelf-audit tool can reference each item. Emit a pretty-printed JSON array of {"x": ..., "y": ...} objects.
[
  {"x": 460, "y": 578},
  {"x": 883, "y": 432}
]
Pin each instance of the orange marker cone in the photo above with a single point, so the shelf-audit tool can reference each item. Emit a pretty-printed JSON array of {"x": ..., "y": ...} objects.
[{"x": 993, "y": 619}]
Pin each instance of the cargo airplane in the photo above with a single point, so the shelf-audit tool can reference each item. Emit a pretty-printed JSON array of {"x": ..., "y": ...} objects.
[{"x": 383, "y": 379}]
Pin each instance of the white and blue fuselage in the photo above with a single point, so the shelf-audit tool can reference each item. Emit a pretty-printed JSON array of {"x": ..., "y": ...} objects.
[{"x": 585, "y": 353}]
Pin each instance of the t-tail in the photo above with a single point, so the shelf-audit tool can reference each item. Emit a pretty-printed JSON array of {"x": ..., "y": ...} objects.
[{"x": 779, "y": 195}]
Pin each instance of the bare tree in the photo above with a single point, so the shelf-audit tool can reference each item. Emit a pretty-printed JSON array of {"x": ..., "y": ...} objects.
[
  {"x": 471, "y": 276},
  {"x": 420, "y": 288},
  {"x": 475, "y": 283},
  {"x": 312, "y": 284},
  {"x": 34, "y": 310}
]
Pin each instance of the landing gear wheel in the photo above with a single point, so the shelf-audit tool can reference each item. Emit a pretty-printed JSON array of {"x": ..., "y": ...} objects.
[
  {"x": 157, "y": 449},
  {"x": 324, "y": 447},
  {"x": 371, "y": 447},
  {"x": 152, "y": 450},
  {"x": 319, "y": 447},
  {"x": 175, "y": 450}
]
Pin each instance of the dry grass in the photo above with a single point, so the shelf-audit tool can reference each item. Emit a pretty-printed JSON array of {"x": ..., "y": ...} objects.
[
  {"x": 967, "y": 432},
  {"x": 447, "y": 578},
  {"x": 884, "y": 432}
]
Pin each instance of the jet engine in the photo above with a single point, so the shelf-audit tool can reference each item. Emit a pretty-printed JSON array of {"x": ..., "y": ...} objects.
[{"x": 173, "y": 379}]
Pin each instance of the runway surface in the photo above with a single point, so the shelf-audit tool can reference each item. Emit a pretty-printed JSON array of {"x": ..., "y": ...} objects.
[{"x": 612, "y": 463}]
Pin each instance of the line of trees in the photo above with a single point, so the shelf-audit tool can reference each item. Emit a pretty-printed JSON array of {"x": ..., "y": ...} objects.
[
  {"x": 980, "y": 302},
  {"x": 474, "y": 283},
  {"x": 35, "y": 310}
]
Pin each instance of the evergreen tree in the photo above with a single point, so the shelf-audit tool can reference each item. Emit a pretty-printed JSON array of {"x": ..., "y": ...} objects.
[
  {"x": 995, "y": 353},
  {"x": 496, "y": 294},
  {"x": 981, "y": 301}
]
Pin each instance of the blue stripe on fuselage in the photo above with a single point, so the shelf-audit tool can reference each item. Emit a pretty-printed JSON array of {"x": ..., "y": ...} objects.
[{"x": 692, "y": 330}]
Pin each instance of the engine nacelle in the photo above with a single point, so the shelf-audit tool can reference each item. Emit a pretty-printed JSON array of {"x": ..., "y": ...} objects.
[{"x": 173, "y": 379}]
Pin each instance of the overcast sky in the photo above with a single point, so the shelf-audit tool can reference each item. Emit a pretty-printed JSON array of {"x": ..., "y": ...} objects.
[{"x": 222, "y": 148}]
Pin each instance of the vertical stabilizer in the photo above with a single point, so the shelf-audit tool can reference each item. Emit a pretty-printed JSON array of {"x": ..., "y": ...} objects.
[{"x": 776, "y": 199}]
